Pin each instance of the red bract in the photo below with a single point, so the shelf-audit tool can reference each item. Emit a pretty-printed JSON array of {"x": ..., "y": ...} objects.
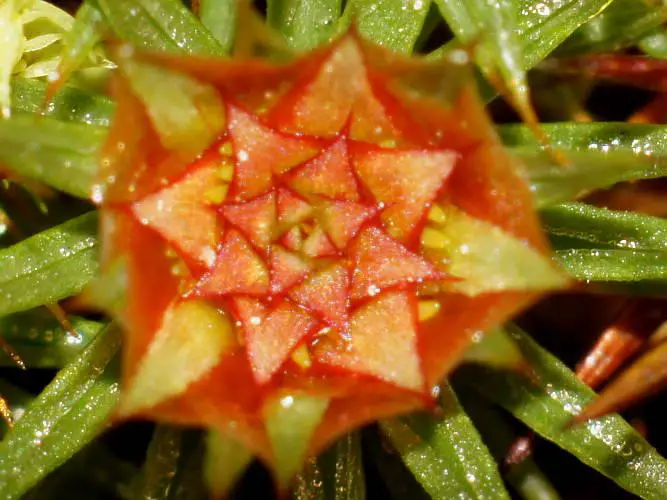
[{"x": 308, "y": 247}]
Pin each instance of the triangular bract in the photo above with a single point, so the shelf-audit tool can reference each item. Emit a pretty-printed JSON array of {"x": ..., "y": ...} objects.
[
  {"x": 255, "y": 218},
  {"x": 292, "y": 209},
  {"x": 261, "y": 152},
  {"x": 383, "y": 342},
  {"x": 238, "y": 269},
  {"x": 326, "y": 295},
  {"x": 382, "y": 262},
  {"x": 317, "y": 244},
  {"x": 180, "y": 215},
  {"x": 287, "y": 269},
  {"x": 329, "y": 174},
  {"x": 271, "y": 338},
  {"x": 343, "y": 219},
  {"x": 409, "y": 178}
]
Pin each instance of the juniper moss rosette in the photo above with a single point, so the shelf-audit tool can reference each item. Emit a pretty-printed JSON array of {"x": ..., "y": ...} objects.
[{"x": 308, "y": 246}]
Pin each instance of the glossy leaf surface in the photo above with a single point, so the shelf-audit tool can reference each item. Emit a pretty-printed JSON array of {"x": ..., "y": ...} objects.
[
  {"x": 447, "y": 456},
  {"x": 41, "y": 341},
  {"x": 609, "y": 445},
  {"x": 49, "y": 266},
  {"x": 600, "y": 155},
  {"x": 59, "y": 153},
  {"x": 68, "y": 414}
]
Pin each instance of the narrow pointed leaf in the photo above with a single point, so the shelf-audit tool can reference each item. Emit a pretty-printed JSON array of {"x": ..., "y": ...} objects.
[
  {"x": 158, "y": 25},
  {"x": 396, "y": 24},
  {"x": 41, "y": 341},
  {"x": 304, "y": 25},
  {"x": 190, "y": 482},
  {"x": 601, "y": 154},
  {"x": 49, "y": 266},
  {"x": 79, "y": 42},
  {"x": 220, "y": 17},
  {"x": 69, "y": 104},
  {"x": 595, "y": 227},
  {"x": 399, "y": 480},
  {"x": 447, "y": 456},
  {"x": 547, "y": 404},
  {"x": 67, "y": 415},
  {"x": 597, "y": 244},
  {"x": 614, "y": 265},
  {"x": 60, "y": 154},
  {"x": 620, "y": 25},
  {"x": 337, "y": 474},
  {"x": 492, "y": 26},
  {"x": 525, "y": 477},
  {"x": 158, "y": 473},
  {"x": 544, "y": 25}
]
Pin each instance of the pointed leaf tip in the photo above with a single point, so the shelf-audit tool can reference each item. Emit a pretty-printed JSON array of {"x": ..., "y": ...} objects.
[
  {"x": 224, "y": 462},
  {"x": 290, "y": 422},
  {"x": 192, "y": 338}
]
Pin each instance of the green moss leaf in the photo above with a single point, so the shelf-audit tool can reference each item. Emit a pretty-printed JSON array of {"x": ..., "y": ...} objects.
[
  {"x": 614, "y": 265},
  {"x": 546, "y": 405},
  {"x": 337, "y": 474},
  {"x": 304, "y": 24},
  {"x": 396, "y": 24},
  {"x": 601, "y": 154},
  {"x": 540, "y": 26},
  {"x": 158, "y": 25},
  {"x": 60, "y": 154},
  {"x": 446, "y": 455},
  {"x": 525, "y": 477},
  {"x": 49, "y": 266},
  {"x": 79, "y": 42},
  {"x": 595, "y": 227},
  {"x": 159, "y": 471},
  {"x": 544, "y": 25},
  {"x": 67, "y": 415},
  {"x": 41, "y": 341},
  {"x": 621, "y": 25},
  {"x": 601, "y": 245},
  {"x": 69, "y": 104},
  {"x": 491, "y": 27},
  {"x": 220, "y": 17}
]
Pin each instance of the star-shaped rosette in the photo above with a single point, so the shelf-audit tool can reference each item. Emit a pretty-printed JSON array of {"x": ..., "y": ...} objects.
[{"x": 307, "y": 247}]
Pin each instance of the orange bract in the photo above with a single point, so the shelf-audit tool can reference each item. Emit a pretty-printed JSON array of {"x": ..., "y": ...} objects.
[{"x": 297, "y": 238}]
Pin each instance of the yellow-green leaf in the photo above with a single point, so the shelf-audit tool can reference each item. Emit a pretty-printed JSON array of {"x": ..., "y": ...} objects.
[
  {"x": 486, "y": 258},
  {"x": 192, "y": 338}
]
